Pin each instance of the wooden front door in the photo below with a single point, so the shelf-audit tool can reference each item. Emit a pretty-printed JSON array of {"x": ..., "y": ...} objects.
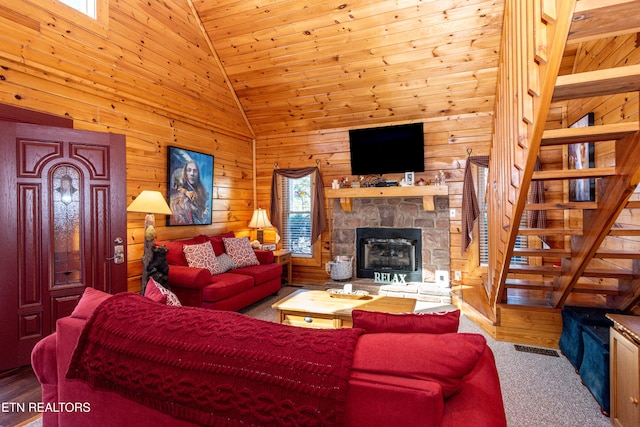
[{"x": 64, "y": 213}]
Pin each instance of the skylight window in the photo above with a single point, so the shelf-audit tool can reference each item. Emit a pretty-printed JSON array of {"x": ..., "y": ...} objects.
[{"x": 88, "y": 7}]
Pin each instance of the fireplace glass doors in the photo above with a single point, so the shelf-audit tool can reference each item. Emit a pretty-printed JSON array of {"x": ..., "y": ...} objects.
[{"x": 389, "y": 254}]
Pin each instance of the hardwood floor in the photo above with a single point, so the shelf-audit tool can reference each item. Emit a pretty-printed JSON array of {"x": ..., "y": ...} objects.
[{"x": 18, "y": 388}]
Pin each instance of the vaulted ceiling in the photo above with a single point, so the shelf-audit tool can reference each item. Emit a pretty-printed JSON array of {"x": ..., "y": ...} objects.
[
  {"x": 311, "y": 65},
  {"x": 303, "y": 66}
]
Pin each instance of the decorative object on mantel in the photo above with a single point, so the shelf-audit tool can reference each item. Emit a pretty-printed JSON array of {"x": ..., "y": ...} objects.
[
  {"x": 149, "y": 202},
  {"x": 260, "y": 220}
]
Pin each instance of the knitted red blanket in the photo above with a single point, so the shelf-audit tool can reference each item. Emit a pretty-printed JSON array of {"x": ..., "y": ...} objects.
[{"x": 214, "y": 367}]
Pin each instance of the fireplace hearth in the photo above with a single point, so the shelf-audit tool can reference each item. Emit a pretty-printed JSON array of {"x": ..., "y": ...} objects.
[
  {"x": 389, "y": 255},
  {"x": 395, "y": 213}
]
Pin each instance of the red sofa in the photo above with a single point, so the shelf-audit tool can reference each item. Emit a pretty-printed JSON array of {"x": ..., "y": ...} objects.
[
  {"x": 396, "y": 379},
  {"x": 231, "y": 290}
]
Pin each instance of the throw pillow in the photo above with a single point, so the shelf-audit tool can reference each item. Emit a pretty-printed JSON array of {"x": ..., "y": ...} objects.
[
  {"x": 216, "y": 241},
  {"x": 240, "y": 251},
  {"x": 425, "y": 323},
  {"x": 225, "y": 263},
  {"x": 158, "y": 293},
  {"x": 443, "y": 358},
  {"x": 90, "y": 299},
  {"x": 202, "y": 256}
]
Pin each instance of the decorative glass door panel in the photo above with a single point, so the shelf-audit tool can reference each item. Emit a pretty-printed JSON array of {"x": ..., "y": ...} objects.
[{"x": 67, "y": 203}]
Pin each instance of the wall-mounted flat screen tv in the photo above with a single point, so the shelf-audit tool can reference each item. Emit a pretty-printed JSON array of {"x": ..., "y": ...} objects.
[{"x": 388, "y": 149}]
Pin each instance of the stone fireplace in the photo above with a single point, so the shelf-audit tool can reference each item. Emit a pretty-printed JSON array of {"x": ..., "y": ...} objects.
[
  {"x": 396, "y": 213},
  {"x": 389, "y": 254}
]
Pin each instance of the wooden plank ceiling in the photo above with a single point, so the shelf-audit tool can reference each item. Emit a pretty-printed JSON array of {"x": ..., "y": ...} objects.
[{"x": 309, "y": 65}]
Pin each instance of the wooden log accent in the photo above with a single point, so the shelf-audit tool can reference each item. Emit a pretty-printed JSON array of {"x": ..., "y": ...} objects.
[{"x": 427, "y": 192}]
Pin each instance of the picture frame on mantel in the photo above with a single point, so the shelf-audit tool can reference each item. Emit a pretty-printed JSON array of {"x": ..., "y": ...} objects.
[
  {"x": 409, "y": 178},
  {"x": 582, "y": 156},
  {"x": 189, "y": 186}
]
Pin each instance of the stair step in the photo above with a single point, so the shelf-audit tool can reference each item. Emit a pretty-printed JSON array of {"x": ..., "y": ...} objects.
[
  {"x": 563, "y": 253},
  {"x": 597, "y": 20},
  {"x": 558, "y": 253},
  {"x": 633, "y": 204},
  {"x": 608, "y": 253},
  {"x": 524, "y": 231},
  {"x": 535, "y": 269},
  {"x": 543, "y": 270},
  {"x": 588, "y": 134},
  {"x": 573, "y": 173},
  {"x": 624, "y": 231},
  {"x": 531, "y": 285},
  {"x": 599, "y": 291},
  {"x": 537, "y": 285},
  {"x": 617, "y": 273},
  {"x": 596, "y": 83},
  {"x": 560, "y": 206}
]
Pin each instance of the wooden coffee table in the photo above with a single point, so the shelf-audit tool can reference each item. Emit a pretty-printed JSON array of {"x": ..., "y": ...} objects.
[{"x": 317, "y": 309}]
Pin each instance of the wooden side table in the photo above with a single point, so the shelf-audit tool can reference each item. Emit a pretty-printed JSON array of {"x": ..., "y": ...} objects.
[{"x": 283, "y": 257}]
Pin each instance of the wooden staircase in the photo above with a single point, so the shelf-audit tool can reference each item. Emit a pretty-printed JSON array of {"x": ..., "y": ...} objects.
[{"x": 571, "y": 263}]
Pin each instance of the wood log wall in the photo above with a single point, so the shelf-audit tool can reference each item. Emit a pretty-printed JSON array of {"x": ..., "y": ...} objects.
[
  {"x": 446, "y": 144},
  {"x": 151, "y": 77}
]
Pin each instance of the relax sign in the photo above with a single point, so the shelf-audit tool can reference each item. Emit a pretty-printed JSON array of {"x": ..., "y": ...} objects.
[{"x": 389, "y": 278}]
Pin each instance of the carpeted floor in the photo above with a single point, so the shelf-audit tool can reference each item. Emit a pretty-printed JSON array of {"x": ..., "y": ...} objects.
[{"x": 538, "y": 390}]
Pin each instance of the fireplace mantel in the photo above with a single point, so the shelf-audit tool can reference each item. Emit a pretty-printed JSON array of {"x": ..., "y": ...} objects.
[{"x": 427, "y": 192}]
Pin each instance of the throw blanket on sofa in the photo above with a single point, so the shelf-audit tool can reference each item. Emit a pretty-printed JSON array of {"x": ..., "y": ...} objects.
[{"x": 215, "y": 367}]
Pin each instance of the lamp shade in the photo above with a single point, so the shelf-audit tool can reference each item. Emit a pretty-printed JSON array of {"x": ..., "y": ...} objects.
[
  {"x": 150, "y": 202},
  {"x": 259, "y": 219}
]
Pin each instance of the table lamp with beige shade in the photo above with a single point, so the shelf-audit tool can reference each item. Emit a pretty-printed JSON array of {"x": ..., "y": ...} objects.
[
  {"x": 260, "y": 220},
  {"x": 149, "y": 202}
]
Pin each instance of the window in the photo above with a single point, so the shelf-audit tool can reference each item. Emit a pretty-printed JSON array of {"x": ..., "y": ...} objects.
[
  {"x": 483, "y": 231},
  {"x": 88, "y": 7},
  {"x": 296, "y": 215},
  {"x": 92, "y": 15}
]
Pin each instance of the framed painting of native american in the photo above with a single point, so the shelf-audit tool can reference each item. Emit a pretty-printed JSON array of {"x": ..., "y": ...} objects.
[{"x": 189, "y": 186}]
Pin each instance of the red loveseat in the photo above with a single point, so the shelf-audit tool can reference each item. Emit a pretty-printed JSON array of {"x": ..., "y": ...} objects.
[
  {"x": 396, "y": 379},
  {"x": 226, "y": 290}
]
